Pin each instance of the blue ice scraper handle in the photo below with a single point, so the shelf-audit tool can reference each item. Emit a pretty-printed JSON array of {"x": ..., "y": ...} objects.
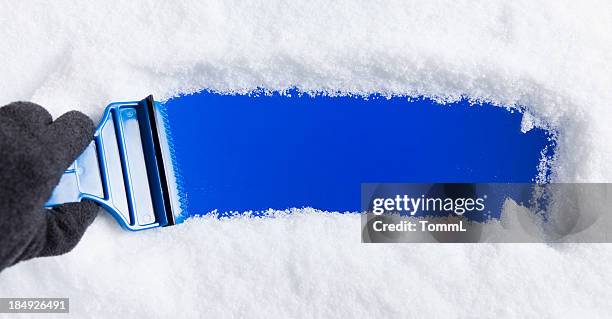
[{"x": 122, "y": 168}]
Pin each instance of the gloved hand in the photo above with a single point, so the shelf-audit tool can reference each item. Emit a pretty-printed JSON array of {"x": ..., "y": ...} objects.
[{"x": 34, "y": 152}]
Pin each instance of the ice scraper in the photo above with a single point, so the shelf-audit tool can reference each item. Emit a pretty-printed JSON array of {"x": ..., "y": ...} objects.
[{"x": 153, "y": 164}]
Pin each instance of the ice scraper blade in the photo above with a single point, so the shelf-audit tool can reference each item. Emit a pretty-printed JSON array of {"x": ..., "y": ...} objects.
[{"x": 123, "y": 169}]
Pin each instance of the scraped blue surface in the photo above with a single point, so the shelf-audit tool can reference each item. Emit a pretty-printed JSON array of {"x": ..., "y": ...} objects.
[{"x": 251, "y": 153}]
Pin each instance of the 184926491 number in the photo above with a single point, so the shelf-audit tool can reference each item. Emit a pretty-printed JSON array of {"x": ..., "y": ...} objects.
[{"x": 34, "y": 305}]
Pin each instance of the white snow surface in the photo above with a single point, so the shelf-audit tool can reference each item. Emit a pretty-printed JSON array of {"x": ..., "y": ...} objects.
[{"x": 550, "y": 58}]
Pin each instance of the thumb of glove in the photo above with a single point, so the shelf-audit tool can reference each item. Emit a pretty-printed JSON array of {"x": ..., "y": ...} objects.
[{"x": 67, "y": 137}]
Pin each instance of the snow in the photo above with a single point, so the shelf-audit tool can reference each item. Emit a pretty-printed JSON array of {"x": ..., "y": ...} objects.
[{"x": 550, "y": 57}]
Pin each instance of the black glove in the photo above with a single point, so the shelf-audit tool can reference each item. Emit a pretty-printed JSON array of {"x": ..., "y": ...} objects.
[{"x": 34, "y": 152}]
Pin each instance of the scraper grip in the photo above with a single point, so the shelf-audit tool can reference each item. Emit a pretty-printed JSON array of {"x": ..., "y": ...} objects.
[
  {"x": 118, "y": 169},
  {"x": 81, "y": 180}
]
